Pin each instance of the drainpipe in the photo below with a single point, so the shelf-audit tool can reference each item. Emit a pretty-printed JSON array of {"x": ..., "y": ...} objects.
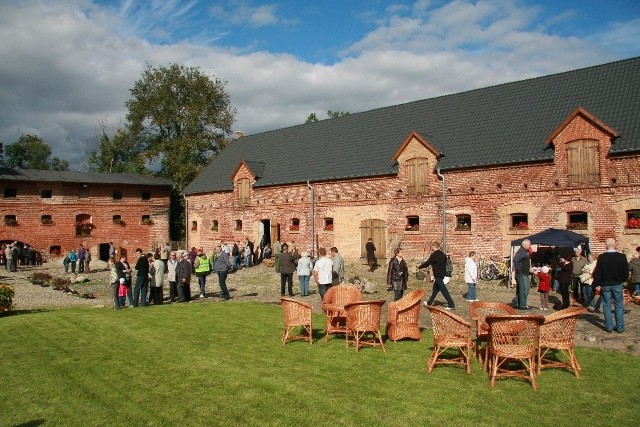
[
  {"x": 444, "y": 209},
  {"x": 313, "y": 216},
  {"x": 186, "y": 221}
]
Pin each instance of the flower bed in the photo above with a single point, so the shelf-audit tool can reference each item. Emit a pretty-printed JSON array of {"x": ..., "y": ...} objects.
[{"x": 6, "y": 297}]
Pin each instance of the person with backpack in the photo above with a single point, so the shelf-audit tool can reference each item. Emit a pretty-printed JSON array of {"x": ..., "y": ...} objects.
[{"x": 438, "y": 262}]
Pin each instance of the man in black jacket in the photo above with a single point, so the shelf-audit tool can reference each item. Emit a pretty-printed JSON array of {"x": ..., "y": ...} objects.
[
  {"x": 438, "y": 261},
  {"x": 142, "y": 279},
  {"x": 612, "y": 270}
]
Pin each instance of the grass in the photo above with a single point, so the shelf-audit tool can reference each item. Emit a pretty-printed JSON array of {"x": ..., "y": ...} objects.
[{"x": 222, "y": 364}]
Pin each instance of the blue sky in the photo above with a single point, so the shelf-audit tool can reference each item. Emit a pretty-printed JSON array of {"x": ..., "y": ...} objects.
[{"x": 284, "y": 59}]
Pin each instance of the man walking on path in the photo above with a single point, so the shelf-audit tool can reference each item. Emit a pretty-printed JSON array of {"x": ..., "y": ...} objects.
[
  {"x": 438, "y": 261},
  {"x": 371, "y": 254}
]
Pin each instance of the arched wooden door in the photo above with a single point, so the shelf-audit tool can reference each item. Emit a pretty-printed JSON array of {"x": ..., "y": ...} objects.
[{"x": 374, "y": 229}]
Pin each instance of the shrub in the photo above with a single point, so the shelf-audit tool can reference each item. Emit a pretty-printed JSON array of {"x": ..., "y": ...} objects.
[
  {"x": 59, "y": 283},
  {"x": 41, "y": 279},
  {"x": 6, "y": 297}
]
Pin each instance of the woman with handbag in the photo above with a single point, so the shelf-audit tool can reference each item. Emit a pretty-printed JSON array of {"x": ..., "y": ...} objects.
[{"x": 397, "y": 274}]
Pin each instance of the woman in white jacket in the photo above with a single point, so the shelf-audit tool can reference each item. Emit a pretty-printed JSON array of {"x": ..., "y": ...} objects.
[
  {"x": 471, "y": 276},
  {"x": 304, "y": 273}
]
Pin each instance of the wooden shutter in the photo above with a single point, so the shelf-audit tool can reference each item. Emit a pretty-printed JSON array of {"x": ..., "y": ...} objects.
[
  {"x": 244, "y": 191},
  {"x": 417, "y": 175},
  {"x": 582, "y": 162}
]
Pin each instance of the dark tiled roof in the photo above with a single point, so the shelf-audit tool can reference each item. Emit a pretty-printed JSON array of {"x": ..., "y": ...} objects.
[
  {"x": 502, "y": 124},
  {"x": 15, "y": 174}
]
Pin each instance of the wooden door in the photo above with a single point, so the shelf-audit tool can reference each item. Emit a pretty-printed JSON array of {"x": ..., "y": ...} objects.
[
  {"x": 274, "y": 232},
  {"x": 374, "y": 229}
]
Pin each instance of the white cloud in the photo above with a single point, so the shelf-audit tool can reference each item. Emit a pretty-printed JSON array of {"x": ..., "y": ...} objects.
[{"x": 74, "y": 72}]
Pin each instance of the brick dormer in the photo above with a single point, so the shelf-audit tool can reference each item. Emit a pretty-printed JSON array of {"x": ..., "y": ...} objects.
[
  {"x": 581, "y": 146},
  {"x": 243, "y": 177},
  {"x": 416, "y": 158}
]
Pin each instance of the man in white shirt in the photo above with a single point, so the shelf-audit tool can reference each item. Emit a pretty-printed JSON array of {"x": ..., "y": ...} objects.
[{"x": 322, "y": 272}]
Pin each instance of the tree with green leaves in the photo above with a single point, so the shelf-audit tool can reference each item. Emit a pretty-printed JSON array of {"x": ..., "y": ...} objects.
[
  {"x": 181, "y": 117},
  {"x": 31, "y": 152},
  {"x": 118, "y": 154},
  {"x": 312, "y": 118}
]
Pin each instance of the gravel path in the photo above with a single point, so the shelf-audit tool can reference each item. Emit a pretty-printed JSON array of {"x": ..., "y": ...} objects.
[{"x": 263, "y": 284}]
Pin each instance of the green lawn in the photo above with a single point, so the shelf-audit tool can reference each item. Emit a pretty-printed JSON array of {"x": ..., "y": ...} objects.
[{"x": 222, "y": 364}]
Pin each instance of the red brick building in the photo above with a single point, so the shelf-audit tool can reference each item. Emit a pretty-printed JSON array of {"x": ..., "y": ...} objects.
[
  {"x": 491, "y": 165},
  {"x": 58, "y": 211}
]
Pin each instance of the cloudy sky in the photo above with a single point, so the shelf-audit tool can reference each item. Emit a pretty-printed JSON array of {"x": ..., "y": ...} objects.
[{"x": 67, "y": 65}]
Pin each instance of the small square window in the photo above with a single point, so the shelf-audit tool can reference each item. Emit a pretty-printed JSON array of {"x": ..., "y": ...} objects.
[
  {"x": 10, "y": 220},
  {"x": 577, "y": 221},
  {"x": 83, "y": 191},
  {"x": 45, "y": 194},
  {"x": 146, "y": 195},
  {"x": 295, "y": 224},
  {"x": 519, "y": 221},
  {"x": 146, "y": 219},
  {"x": 463, "y": 222},
  {"x": 46, "y": 220},
  {"x": 214, "y": 225},
  {"x": 327, "y": 224},
  {"x": 10, "y": 192},
  {"x": 633, "y": 219},
  {"x": 194, "y": 225},
  {"x": 117, "y": 219},
  {"x": 413, "y": 223},
  {"x": 117, "y": 195},
  {"x": 238, "y": 226}
]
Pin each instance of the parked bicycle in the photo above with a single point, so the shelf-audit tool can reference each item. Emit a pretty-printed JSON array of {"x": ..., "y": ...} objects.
[{"x": 496, "y": 269}]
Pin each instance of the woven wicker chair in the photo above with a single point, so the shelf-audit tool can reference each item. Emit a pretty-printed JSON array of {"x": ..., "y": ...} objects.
[
  {"x": 296, "y": 313},
  {"x": 402, "y": 318},
  {"x": 557, "y": 333},
  {"x": 363, "y": 318},
  {"x": 333, "y": 306},
  {"x": 513, "y": 338},
  {"x": 479, "y": 310},
  {"x": 449, "y": 331}
]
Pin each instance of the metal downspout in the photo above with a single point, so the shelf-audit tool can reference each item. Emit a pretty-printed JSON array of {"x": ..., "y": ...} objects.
[
  {"x": 444, "y": 210},
  {"x": 313, "y": 216},
  {"x": 186, "y": 222}
]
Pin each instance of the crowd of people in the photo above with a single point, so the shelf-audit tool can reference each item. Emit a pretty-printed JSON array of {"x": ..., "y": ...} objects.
[
  {"x": 13, "y": 255},
  {"x": 181, "y": 266},
  {"x": 588, "y": 281},
  {"x": 80, "y": 259}
]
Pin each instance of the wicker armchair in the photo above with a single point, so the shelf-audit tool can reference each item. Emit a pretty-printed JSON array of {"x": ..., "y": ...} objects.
[
  {"x": 333, "y": 306},
  {"x": 363, "y": 317},
  {"x": 449, "y": 331},
  {"x": 479, "y": 310},
  {"x": 296, "y": 313},
  {"x": 557, "y": 333},
  {"x": 402, "y": 318},
  {"x": 513, "y": 338}
]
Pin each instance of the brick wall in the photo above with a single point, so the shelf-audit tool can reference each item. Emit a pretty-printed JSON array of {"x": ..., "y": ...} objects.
[
  {"x": 65, "y": 204},
  {"x": 489, "y": 195}
]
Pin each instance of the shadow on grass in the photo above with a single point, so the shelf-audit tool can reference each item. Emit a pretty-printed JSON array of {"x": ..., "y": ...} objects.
[
  {"x": 19, "y": 312},
  {"x": 32, "y": 423}
]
